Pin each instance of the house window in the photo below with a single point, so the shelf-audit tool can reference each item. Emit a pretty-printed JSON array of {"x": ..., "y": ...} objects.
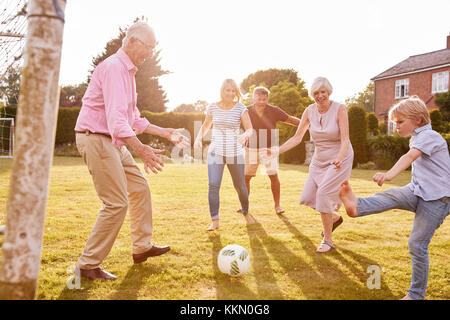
[
  {"x": 391, "y": 127},
  {"x": 401, "y": 88},
  {"x": 439, "y": 82}
]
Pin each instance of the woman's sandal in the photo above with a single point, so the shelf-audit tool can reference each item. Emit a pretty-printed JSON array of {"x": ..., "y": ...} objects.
[
  {"x": 336, "y": 224},
  {"x": 329, "y": 244}
]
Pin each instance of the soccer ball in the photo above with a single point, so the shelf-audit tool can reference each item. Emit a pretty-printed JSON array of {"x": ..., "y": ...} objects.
[{"x": 233, "y": 260}]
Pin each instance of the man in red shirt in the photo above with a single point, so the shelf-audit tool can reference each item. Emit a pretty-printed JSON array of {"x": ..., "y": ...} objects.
[{"x": 264, "y": 118}]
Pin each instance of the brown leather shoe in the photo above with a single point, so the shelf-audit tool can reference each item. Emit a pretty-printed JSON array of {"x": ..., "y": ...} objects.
[
  {"x": 154, "y": 251},
  {"x": 97, "y": 274}
]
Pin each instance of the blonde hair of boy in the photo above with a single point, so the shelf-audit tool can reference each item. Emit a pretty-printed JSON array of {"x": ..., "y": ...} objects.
[
  {"x": 319, "y": 82},
  {"x": 412, "y": 108},
  {"x": 237, "y": 92}
]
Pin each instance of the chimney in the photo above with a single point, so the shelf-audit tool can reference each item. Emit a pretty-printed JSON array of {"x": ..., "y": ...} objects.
[{"x": 448, "y": 41}]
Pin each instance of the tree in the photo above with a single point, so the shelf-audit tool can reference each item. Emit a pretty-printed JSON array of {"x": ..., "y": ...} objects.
[
  {"x": 269, "y": 78},
  {"x": 442, "y": 100},
  {"x": 363, "y": 99},
  {"x": 372, "y": 124},
  {"x": 71, "y": 96},
  {"x": 9, "y": 86},
  {"x": 199, "y": 106},
  {"x": 358, "y": 134},
  {"x": 151, "y": 95},
  {"x": 437, "y": 122}
]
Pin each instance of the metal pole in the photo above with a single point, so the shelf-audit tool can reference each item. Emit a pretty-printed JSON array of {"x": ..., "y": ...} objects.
[{"x": 36, "y": 124}]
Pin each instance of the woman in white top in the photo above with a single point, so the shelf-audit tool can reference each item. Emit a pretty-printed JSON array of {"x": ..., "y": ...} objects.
[{"x": 226, "y": 147}]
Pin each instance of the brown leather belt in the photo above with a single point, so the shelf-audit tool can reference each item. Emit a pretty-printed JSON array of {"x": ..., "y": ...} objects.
[{"x": 87, "y": 132}]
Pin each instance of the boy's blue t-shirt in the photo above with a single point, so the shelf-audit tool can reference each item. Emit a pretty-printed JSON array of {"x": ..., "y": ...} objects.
[{"x": 431, "y": 171}]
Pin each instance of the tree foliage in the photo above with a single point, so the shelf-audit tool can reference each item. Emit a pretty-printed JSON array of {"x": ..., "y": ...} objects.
[
  {"x": 71, "y": 95},
  {"x": 437, "y": 121},
  {"x": 199, "y": 106},
  {"x": 442, "y": 100},
  {"x": 151, "y": 95},
  {"x": 372, "y": 124},
  {"x": 9, "y": 86},
  {"x": 358, "y": 134},
  {"x": 363, "y": 99},
  {"x": 268, "y": 78}
]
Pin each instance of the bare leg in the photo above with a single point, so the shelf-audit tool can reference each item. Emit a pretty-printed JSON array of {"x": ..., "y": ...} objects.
[
  {"x": 247, "y": 184},
  {"x": 327, "y": 221},
  {"x": 214, "y": 225},
  {"x": 275, "y": 186},
  {"x": 348, "y": 199}
]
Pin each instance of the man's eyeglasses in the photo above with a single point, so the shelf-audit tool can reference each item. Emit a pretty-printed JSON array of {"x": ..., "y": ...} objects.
[{"x": 147, "y": 46}]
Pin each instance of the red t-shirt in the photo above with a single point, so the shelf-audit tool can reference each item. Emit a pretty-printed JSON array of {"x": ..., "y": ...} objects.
[{"x": 267, "y": 122}]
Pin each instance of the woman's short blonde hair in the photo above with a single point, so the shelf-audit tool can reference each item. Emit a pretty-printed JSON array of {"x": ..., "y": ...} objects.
[
  {"x": 237, "y": 92},
  {"x": 413, "y": 108},
  {"x": 319, "y": 82}
]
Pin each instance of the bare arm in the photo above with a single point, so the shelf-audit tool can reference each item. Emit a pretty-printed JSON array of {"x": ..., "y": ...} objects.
[
  {"x": 298, "y": 136},
  {"x": 207, "y": 123},
  {"x": 345, "y": 138},
  {"x": 293, "y": 121},
  {"x": 401, "y": 165},
  {"x": 247, "y": 124},
  {"x": 173, "y": 135}
]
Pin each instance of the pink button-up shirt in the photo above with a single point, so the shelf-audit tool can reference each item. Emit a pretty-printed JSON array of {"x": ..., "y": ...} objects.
[{"x": 109, "y": 104}]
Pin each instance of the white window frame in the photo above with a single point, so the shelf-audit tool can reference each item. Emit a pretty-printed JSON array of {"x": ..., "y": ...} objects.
[
  {"x": 439, "y": 82},
  {"x": 402, "y": 88},
  {"x": 391, "y": 127}
]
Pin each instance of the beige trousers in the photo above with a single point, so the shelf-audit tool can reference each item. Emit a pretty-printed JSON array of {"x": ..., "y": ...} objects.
[{"x": 120, "y": 185}]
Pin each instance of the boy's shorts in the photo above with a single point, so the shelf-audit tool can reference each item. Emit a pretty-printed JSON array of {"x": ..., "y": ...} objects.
[{"x": 252, "y": 161}]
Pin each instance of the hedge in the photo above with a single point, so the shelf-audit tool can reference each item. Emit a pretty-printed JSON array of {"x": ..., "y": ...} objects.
[
  {"x": 384, "y": 151},
  {"x": 358, "y": 134}
]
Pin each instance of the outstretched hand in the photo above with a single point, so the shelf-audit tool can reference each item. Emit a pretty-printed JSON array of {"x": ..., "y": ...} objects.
[
  {"x": 266, "y": 154},
  {"x": 151, "y": 158},
  {"x": 178, "y": 139}
]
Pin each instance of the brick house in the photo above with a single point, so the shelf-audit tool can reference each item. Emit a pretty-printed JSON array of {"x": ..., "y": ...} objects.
[{"x": 423, "y": 75}]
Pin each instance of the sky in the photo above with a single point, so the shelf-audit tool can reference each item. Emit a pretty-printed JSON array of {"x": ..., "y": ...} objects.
[{"x": 204, "y": 42}]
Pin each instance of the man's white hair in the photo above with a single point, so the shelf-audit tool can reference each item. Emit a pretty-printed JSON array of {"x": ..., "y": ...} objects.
[{"x": 139, "y": 30}]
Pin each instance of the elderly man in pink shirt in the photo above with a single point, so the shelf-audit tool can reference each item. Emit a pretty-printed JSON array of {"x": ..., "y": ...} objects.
[{"x": 108, "y": 121}]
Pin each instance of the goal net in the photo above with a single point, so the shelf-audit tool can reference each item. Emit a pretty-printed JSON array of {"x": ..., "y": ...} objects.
[
  {"x": 6, "y": 137},
  {"x": 13, "y": 27}
]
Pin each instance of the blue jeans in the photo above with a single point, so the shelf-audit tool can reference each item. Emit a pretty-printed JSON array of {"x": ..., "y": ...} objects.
[
  {"x": 429, "y": 215},
  {"x": 236, "y": 165}
]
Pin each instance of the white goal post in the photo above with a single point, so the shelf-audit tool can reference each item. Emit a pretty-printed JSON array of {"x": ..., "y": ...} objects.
[{"x": 6, "y": 137}]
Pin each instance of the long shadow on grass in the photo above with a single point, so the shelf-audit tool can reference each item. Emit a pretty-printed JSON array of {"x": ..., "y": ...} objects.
[
  {"x": 226, "y": 286},
  {"x": 360, "y": 273},
  {"x": 128, "y": 289},
  {"x": 133, "y": 281},
  {"x": 298, "y": 270},
  {"x": 265, "y": 279}
]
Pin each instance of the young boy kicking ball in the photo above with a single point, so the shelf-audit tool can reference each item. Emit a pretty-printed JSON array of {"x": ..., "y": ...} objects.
[{"x": 427, "y": 194}]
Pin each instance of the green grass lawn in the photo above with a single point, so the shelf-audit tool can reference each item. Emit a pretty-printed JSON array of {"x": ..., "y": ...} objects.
[{"x": 284, "y": 264}]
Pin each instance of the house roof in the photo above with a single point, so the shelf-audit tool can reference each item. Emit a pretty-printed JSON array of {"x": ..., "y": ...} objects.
[{"x": 418, "y": 62}]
